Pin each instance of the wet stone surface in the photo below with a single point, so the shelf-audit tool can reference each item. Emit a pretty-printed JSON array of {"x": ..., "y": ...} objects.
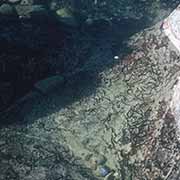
[{"x": 126, "y": 119}]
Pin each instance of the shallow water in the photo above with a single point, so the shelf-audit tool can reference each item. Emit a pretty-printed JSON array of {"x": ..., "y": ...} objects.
[{"x": 108, "y": 117}]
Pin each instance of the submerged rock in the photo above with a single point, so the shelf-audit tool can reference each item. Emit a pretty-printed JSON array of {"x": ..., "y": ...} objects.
[
  {"x": 66, "y": 16},
  {"x": 7, "y": 10},
  {"x": 14, "y": 1},
  {"x": 46, "y": 85}
]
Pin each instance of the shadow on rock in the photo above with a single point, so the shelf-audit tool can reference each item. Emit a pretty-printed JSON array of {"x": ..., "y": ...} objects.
[{"x": 33, "y": 50}]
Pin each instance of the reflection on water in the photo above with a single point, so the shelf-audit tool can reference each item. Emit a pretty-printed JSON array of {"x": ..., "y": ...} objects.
[{"x": 101, "y": 109}]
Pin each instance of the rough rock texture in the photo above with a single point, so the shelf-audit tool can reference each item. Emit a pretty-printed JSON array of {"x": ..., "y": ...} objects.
[
  {"x": 120, "y": 110},
  {"x": 127, "y": 119}
]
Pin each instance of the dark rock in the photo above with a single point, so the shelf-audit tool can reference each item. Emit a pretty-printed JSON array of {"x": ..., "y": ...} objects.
[
  {"x": 14, "y": 1},
  {"x": 7, "y": 10},
  {"x": 48, "y": 84}
]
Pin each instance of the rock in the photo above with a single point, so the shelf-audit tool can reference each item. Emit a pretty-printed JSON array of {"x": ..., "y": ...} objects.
[
  {"x": 92, "y": 164},
  {"x": 7, "y": 10},
  {"x": 38, "y": 11},
  {"x": 100, "y": 159},
  {"x": 111, "y": 176},
  {"x": 26, "y": 2},
  {"x": 14, "y": 1},
  {"x": 37, "y": 174},
  {"x": 126, "y": 149},
  {"x": 27, "y": 11},
  {"x": 87, "y": 157},
  {"x": 95, "y": 160},
  {"x": 54, "y": 5},
  {"x": 66, "y": 16},
  {"x": 48, "y": 84}
]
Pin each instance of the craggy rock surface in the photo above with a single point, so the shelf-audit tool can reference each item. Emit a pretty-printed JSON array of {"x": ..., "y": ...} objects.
[
  {"x": 127, "y": 119},
  {"x": 37, "y": 37},
  {"x": 118, "y": 116}
]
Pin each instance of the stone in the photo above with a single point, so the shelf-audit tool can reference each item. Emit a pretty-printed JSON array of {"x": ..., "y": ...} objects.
[
  {"x": 103, "y": 171},
  {"x": 100, "y": 159},
  {"x": 48, "y": 84},
  {"x": 26, "y": 2},
  {"x": 111, "y": 176},
  {"x": 66, "y": 16},
  {"x": 14, "y": 1},
  {"x": 126, "y": 149},
  {"x": 7, "y": 10},
  {"x": 37, "y": 174}
]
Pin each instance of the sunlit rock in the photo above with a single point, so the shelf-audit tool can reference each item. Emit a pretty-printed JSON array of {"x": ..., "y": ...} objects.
[{"x": 171, "y": 26}]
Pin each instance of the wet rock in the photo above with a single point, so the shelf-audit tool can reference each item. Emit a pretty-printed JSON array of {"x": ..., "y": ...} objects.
[
  {"x": 28, "y": 11},
  {"x": 38, "y": 11},
  {"x": 7, "y": 10},
  {"x": 100, "y": 159},
  {"x": 95, "y": 160},
  {"x": 112, "y": 176},
  {"x": 14, "y": 1},
  {"x": 54, "y": 5},
  {"x": 92, "y": 164},
  {"x": 26, "y": 2},
  {"x": 37, "y": 174},
  {"x": 126, "y": 149},
  {"x": 88, "y": 157},
  {"x": 66, "y": 16}
]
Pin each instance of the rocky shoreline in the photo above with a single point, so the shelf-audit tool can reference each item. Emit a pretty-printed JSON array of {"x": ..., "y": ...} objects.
[{"x": 111, "y": 119}]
